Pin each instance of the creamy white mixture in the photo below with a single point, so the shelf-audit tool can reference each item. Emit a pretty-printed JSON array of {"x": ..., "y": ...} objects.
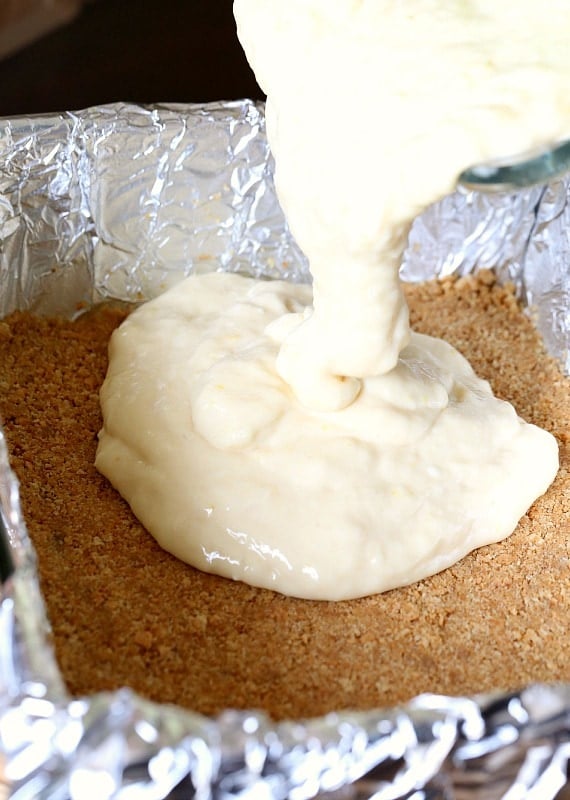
[
  {"x": 324, "y": 450},
  {"x": 374, "y": 108},
  {"x": 232, "y": 474}
]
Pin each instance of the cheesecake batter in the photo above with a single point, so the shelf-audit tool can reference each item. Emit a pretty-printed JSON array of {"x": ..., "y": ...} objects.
[
  {"x": 231, "y": 473},
  {"x": 311, "y": 443}
]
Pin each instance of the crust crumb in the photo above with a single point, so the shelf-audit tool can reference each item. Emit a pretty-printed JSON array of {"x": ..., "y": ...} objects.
[{"x": 124, "y": 612}]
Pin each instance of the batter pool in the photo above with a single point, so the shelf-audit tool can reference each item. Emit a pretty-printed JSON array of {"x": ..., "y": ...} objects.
[{"x": 309, "y": 442}]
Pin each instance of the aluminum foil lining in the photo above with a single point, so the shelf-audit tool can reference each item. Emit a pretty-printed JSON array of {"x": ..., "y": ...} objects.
[{"x": 122, "y": 201}]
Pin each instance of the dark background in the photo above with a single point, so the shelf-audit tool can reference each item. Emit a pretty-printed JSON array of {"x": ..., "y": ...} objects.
[{"x": 134, "y": 50}]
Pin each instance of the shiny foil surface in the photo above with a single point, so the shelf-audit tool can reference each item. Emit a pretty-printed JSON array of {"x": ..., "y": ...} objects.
[{"x": 121, "y": 202}]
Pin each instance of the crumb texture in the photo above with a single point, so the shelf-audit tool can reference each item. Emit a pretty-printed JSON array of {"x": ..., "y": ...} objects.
[{"x": 124, "y": 612}]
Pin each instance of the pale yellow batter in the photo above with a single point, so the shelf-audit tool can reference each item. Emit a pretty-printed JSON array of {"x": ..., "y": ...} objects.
[
  {"x": 226, "y": 468},
  {"x": 323, "y": 450},
  {"x": 374, "y": 107}
]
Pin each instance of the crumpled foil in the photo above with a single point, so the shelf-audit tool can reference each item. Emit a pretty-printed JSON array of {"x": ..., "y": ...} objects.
[{"x": 120, "y": 202}]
